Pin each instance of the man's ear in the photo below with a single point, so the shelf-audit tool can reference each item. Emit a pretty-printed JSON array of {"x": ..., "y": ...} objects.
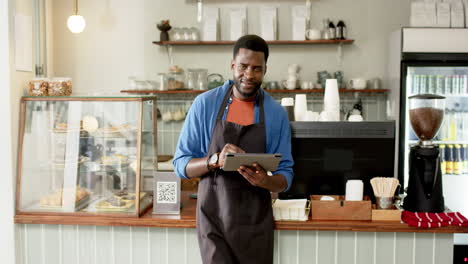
[
  {"x": 266, "y": 67},
  {"x": 233, "y": 63}
]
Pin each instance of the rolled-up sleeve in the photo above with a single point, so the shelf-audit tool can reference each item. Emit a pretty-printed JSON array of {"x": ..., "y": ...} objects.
[{"x": 190, "y": 141}]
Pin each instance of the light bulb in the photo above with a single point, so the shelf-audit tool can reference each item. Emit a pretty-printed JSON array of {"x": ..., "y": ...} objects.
[{"x": 76, "y": 23}]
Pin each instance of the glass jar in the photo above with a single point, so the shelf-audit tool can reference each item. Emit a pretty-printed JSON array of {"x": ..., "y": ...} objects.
[
  {"x": 60, "y": 86},
  {"x": 38, "y": 87},
  {"x": 175, "y": 78},
  {"x": 192, "y": 78},
  {"x": 202, "y": 79},
  {"x": 162, "y": 79}
]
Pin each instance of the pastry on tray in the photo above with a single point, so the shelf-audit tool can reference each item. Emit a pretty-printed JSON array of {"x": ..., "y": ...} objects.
[
  {"x": 55, "y": 199},
  {"x": 114, "y": 159},
  {"x": 120, "y": 201}
]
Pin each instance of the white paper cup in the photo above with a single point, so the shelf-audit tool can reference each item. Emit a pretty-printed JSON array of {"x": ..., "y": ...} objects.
[{"x": 354, "y": 190}]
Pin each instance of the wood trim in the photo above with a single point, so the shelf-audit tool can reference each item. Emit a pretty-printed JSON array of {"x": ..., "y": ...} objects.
[
  {"x": 115, "y": 99},
  {"x": 187, "y": 219},
  {"x": 163, "y": 92},
  {"x": 155, "y": 131},
  {"x": 138, "y": 170},
  {"x": 268, "y": 91},
  {"x": 20, "y": 153},
  {"x": 271, "y": 42}
]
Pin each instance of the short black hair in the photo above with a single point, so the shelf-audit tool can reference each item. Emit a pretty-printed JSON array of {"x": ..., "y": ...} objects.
[{"x": 251, "y": 42}]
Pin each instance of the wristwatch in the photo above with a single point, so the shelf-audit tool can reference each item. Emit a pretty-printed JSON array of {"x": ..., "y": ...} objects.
[{"x": 212, "y": 161}]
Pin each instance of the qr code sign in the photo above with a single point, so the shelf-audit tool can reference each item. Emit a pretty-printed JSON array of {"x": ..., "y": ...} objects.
[{"x": 166, "y": 192}]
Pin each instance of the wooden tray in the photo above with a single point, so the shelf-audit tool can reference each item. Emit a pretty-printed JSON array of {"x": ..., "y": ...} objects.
[{"x": 339, "y": 209}]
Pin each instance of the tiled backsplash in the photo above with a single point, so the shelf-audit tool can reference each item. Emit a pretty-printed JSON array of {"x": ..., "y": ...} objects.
[{"x": 374, "y": 109}]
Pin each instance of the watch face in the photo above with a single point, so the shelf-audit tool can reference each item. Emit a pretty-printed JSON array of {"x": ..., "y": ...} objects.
[{"x": 214, "y": 158}]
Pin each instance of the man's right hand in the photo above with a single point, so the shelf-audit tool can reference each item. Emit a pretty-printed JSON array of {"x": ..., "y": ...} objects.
[{"x": 228, "y": 148}]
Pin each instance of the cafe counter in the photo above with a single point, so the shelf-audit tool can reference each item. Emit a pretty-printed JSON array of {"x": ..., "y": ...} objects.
[{"x": 172, "y": 239}]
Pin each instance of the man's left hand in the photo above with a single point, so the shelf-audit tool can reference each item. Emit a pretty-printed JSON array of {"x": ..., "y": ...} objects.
[{"x": 256, "y": 175}]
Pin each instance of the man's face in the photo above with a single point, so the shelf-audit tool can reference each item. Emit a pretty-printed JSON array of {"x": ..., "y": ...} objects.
[{"x": 248, "y": 68}]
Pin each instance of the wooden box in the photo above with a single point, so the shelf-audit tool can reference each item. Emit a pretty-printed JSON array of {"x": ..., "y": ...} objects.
[
  {"x": 393, "y": 214},
  {"x": 339, "y": 209}
]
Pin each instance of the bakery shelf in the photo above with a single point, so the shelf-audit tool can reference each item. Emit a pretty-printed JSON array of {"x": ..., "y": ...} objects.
[
  {"x": 279, "y": 91},
  {"x": 272, "y": 42}
]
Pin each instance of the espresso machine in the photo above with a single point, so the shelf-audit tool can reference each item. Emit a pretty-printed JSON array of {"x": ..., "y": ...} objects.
[{"x": 424, "y": 193}]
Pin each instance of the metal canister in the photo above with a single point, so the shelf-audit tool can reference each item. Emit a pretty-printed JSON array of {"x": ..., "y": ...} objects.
[
  {"x": 440, "y": 88},
  {"x": 416, "y": 84},
  {"x": 448, "y": 84},
  {"x": 449, "y": 159},
  {"x": 443, "y": 162}
]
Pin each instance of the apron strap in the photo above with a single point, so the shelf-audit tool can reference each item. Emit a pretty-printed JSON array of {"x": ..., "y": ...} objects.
[
  {"x": 224, "y": 104},
  {"x": 262, "y": 112}
]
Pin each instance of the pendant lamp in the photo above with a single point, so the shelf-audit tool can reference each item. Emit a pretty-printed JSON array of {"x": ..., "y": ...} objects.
[{"x": 76, "y": 23}]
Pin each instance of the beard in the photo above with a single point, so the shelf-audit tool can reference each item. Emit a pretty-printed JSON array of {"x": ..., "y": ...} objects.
[{"x": 246, "y": 94}]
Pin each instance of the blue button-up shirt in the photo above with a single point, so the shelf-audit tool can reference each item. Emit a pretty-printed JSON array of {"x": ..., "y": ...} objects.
[{"x": 196, "y": 133}]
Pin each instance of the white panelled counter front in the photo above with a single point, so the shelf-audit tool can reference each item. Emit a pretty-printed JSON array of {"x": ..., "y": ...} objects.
[{"x": 172, "y": 239}]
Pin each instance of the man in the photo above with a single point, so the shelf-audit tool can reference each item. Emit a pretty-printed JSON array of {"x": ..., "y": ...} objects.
[{"x": 234, "y": 214}]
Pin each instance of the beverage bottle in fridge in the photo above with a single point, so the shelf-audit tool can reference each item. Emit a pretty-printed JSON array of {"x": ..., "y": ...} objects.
[
  {"x": 465, "y": 125},
  {"x": 462, "y": 159},
  {"x": 465, "y": 159},
  {"x": 416, "y": 84},
  {"x": 457, "y": 164},
  {"x": 455, "y": 84},
  {"x": 440, "y": 81},
  {"x": 449, "y": 159},
  {"x": 422, "y": 84},
  {"x": 452, "y": 126},
  {"x": 464, "y": 84},
  {"x": 443, "y": 131},
  {"x": 443, "y": 162},
  {"x": 460, "y": 125},
  {"x": 431, "y": 84},
  {"x": 448, "y": 84}
]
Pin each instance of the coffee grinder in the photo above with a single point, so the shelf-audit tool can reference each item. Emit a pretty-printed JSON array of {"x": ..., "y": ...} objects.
[{"x": 424, "y": 193}]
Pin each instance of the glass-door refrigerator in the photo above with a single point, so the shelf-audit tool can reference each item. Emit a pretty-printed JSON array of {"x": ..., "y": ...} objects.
[{"x": 435, "y": 61}]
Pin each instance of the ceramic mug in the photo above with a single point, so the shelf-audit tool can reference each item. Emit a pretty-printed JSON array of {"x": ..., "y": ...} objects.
[
  {"x": 357, "y": 83},
  {"x": 313, "y": 34},
  {"x": 290, "y": 84},
  {"x": 272, "y": 85}
]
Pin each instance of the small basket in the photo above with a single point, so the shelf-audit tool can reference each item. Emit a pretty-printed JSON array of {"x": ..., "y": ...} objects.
[{"x": 291, "y": 214}]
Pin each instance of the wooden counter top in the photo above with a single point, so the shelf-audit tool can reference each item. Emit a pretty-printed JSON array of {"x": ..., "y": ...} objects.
[{"x": 186, "y": 219}]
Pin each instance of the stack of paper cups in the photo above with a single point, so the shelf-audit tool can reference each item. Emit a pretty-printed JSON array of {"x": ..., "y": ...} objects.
[
  {"x": 300, "y": 107},
  {"x": 288, "y": 105},
  {"x": 331, "y": 100}
]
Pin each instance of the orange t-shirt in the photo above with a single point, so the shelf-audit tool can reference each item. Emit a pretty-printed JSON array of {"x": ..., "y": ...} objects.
[{"x": 241, "y": 112}]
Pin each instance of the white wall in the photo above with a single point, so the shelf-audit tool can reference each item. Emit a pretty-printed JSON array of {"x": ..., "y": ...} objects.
[
  {"x": 7, "y": 239},
  {"x": 117, "y": 40},
  {"x": 12, "y": 84}
]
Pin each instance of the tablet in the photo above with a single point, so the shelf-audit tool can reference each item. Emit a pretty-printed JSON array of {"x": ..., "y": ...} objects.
[{"x": 268, "y": 161}]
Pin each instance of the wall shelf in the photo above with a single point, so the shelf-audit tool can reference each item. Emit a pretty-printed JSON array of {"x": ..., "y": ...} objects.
[
  {"x": 279, "y": 91},
  {"x": 273, "y": 42}
]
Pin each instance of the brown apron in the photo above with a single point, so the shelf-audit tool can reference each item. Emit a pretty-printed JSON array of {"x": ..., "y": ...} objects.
[{"x": 234, "y": 218}]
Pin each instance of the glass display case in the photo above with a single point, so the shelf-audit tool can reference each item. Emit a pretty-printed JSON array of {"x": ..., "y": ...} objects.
[{"x": 84, "y": 155}]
